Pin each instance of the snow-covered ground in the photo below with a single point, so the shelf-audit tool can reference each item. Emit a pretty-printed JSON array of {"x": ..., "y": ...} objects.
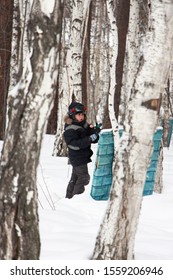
[{"x": 69, "y": 227}]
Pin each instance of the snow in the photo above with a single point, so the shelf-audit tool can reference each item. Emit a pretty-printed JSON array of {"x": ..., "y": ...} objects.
[{"x": 68, "y": 227}]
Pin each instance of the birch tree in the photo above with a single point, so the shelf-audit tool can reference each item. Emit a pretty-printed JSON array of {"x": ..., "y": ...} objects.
[
  {"x": 113, "y": 61},
  {"x": 121, "y": 11},
  {"x": 165, "y": 117},
  {"x": 60, "y": 148},
  {"x": 71, "y": 79},
  {"x": 74, "y": 55},
  {"x": 149, "y": 38},
  {"x": 171, "y": 88},
  {"x": 29, "y": 104}
]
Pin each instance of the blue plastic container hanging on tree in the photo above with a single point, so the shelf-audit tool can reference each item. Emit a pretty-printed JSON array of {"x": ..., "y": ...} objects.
[
  {"x": 151, "y": 171},
  {"x": 102, "y": 178},
  {"x": 170, "y": 131}
]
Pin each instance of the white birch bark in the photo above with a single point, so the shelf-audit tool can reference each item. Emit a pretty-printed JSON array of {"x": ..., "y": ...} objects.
[
  {"x": 99, "y": 64},
  {"x": 71, "y": 80},
  {"x": 74, "y": 56},
  {"x": 117, "y": 232},
  {"x": 113, "y": 60},
  {"x": 166, "y": 116},
  {"x": 132, "y": 57},
  {"x": 171, "y": 88},
  {"x": 29, "y": 104},
  {"x": 158, "y": 183},
  {"x": 19, "y": 46}
]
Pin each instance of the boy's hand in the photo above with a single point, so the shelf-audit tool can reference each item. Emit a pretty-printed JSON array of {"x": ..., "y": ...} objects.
[{"x": 93, "y": 137}]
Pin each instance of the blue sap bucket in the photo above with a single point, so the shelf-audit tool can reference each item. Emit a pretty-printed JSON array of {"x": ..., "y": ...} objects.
[
  {"x": 170, "y": 131},
  {"x": 151, "y": 172},
  {"x": 102, "y": 178}
]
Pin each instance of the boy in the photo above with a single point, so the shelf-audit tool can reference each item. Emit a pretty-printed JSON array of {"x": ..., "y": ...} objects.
[{"x": 79, "y": 135}]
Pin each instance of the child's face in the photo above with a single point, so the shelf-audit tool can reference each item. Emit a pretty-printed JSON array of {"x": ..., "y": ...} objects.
[{"x": 79, "y": 117}]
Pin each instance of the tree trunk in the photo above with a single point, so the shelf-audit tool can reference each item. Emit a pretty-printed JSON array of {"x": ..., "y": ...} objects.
[
  {"x": 6, "y": 12},
  {"x": 74, "y": 56},
  {"x": 113, "y": 61},
  {"x": 121, "y": 11},
  {"x": 29, "y": 104},
  {"x": 166, "y": 116},
  {"x": 158, "y": 183},
  {"x": 117, "y": 232},
  {"x": 70, "y": 86}
]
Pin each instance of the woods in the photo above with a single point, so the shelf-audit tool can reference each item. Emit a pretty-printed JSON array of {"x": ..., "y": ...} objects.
[{"x": 110, "y": 55}]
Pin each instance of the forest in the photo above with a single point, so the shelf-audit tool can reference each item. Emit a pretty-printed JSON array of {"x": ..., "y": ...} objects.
[{"x": 116, "y": 58}]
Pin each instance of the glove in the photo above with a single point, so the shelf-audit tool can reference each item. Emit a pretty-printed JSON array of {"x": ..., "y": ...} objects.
[
  {"x": 98, "y": 125},
  {"x": 97, "y": 128},
  {"x": 93, "y": 137}
]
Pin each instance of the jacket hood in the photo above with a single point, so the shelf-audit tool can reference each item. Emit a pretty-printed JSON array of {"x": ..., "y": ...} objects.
[{"x": 68, "y": 120}]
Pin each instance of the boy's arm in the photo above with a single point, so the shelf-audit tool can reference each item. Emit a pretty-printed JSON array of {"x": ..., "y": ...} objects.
[{"x": 74, "y": 142}]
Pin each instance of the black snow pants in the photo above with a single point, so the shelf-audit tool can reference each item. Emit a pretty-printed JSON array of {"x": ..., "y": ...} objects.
[{"x": 79, "y": 178}]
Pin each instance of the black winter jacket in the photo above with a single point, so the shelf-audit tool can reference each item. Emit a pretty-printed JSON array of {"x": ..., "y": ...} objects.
[{"x": 76, "y": 135}]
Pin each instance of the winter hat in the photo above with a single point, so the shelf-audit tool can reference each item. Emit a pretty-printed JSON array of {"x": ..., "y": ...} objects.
[{"x": 75, "y": 108}]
